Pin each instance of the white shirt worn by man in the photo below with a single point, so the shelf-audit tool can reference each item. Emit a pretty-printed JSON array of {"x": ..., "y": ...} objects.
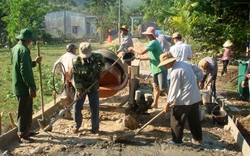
[
  {"x": 67, "y": 61},
  {"x": 182, "y": 51},
  {"x": 183, "y": 88}
]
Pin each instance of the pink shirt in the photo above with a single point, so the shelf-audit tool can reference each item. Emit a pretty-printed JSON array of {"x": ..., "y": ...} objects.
[{"x": 226, "y": 54}]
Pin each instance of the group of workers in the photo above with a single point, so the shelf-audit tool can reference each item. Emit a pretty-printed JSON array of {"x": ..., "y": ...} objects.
[{"x": 83, "y": 70}]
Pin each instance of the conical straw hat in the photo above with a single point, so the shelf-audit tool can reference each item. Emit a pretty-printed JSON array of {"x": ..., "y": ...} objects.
[{"x": 228, "y": 43}]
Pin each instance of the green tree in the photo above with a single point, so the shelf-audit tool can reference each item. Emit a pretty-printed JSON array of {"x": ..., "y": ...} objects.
[
  {"x": 101, "y": 8},
  {"x": 25, "y": 13},
  {"x": 3, "y": 24}
]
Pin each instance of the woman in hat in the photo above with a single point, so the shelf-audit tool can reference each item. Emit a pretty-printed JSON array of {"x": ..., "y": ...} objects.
[
  {"x": 154, "y": 50},
  {"x": 225, "y": 55}
]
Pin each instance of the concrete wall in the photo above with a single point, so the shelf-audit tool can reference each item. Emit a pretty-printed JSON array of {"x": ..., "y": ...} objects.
[
  {"x": 61, "y": 23},
  {"x": 54, "y": 23}
]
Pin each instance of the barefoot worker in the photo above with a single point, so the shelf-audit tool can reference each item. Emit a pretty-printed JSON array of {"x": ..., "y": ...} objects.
[
  {"x": 185, "y": 95},
  {"x": 159, "y": 73}
]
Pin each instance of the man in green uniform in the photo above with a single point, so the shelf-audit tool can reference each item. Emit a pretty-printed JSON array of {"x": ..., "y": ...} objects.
[
  {"x": 87, "y": 69},
  {"x": 23, "y": 83}
]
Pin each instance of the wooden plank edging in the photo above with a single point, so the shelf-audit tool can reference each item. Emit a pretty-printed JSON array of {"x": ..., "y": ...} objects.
[
  {"x": 245, "y": 148},
  {"x": 10, "y": 136}
]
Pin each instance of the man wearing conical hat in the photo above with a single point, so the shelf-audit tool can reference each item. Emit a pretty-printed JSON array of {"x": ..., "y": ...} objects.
[
  {"x": 23, "y": 83},
  {"x": 225, "y": 55},
  {"x": 185, "y": 97}
]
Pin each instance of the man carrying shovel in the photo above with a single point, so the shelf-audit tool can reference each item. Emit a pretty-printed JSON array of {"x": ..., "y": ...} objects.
[
  {"x": 87, "y": 69},
  {"x": 23, "y": 83},
  {"x": 185, "y": 96}
]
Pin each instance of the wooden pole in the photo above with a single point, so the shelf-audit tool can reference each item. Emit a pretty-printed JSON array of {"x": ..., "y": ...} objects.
[{"x": 11, "y": 120}]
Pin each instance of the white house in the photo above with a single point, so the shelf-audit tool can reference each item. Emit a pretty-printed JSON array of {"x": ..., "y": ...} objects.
[{"x": 73, "y": 25}]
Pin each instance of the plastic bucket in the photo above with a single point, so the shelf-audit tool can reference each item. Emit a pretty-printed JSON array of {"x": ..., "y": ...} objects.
[
  {"x": 211, "y": 106},
  {"x": 219, "y": 117},
  {"x": 128, "y": 57},
  {"x": 206, "y": 97}
]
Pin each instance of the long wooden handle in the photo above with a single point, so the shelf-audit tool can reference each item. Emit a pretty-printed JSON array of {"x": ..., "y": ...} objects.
[
  {"x": 40, "y": 78},
  {"x": 159, "y": 114}
]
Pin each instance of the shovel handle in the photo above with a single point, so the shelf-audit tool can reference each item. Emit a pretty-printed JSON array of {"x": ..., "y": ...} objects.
[
  {"x": 159, "y": 114},
  {"x": 40, "y": 78}
]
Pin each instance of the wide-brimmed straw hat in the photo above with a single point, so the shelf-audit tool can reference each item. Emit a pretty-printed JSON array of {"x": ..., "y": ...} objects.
[
  {"x": 228, "y": 43},
  {"x": 203, "y": 64},
  {"x": 150, "y": 31},
  {"x": 85, "y": 50},
  {"x": 26, "y": 34},
  {"x": 166, "y": 58},
  {"x": 124, "y": 27}
]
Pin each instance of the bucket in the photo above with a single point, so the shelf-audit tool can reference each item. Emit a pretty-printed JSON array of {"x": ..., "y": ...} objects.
[
  {"x": 211, "y": 106},
  {"x": 206, "y": 97},
  {"x": 219, "y": 117},
  {"x": 128, "y": 57}
]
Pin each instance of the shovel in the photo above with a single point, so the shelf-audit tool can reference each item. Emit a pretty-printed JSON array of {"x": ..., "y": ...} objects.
[
  {"x": 133, "y": 134},
  {"x": 42, "y": 122},
  {"x": 48, "y": 128}
]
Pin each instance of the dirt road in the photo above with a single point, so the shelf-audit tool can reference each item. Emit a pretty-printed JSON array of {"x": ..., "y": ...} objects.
[{"x": 152, "y": 141}]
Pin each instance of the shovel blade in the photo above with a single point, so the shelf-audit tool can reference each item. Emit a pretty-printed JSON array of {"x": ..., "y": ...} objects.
[
  {"x": 44, "y": 123},
  {"x": 124, "y": 137}
]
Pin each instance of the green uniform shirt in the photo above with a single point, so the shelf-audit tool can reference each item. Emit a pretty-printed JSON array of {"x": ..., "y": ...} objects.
[
  {"x": 155, "y": 50},
  {"x": 86, "y": 72},
  {"x": 22, "y": 74}
]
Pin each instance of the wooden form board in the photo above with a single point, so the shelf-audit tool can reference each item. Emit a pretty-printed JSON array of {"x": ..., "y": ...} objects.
[{"x": 245, "y": 148}]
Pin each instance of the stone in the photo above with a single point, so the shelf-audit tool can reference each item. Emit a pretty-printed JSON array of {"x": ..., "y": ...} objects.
[{"x": 127, "y": 121}]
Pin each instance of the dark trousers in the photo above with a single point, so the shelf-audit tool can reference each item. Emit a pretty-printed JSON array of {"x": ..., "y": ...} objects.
[
  {"x": 24, "y": 117},
  {"x": 94, "y": 108},
  {"x": 179, "y": 115},
  {"x": 224, "y": 69}
]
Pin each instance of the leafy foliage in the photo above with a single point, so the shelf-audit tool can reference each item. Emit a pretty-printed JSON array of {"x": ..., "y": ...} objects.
[{"x": 206, "y": 23}]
